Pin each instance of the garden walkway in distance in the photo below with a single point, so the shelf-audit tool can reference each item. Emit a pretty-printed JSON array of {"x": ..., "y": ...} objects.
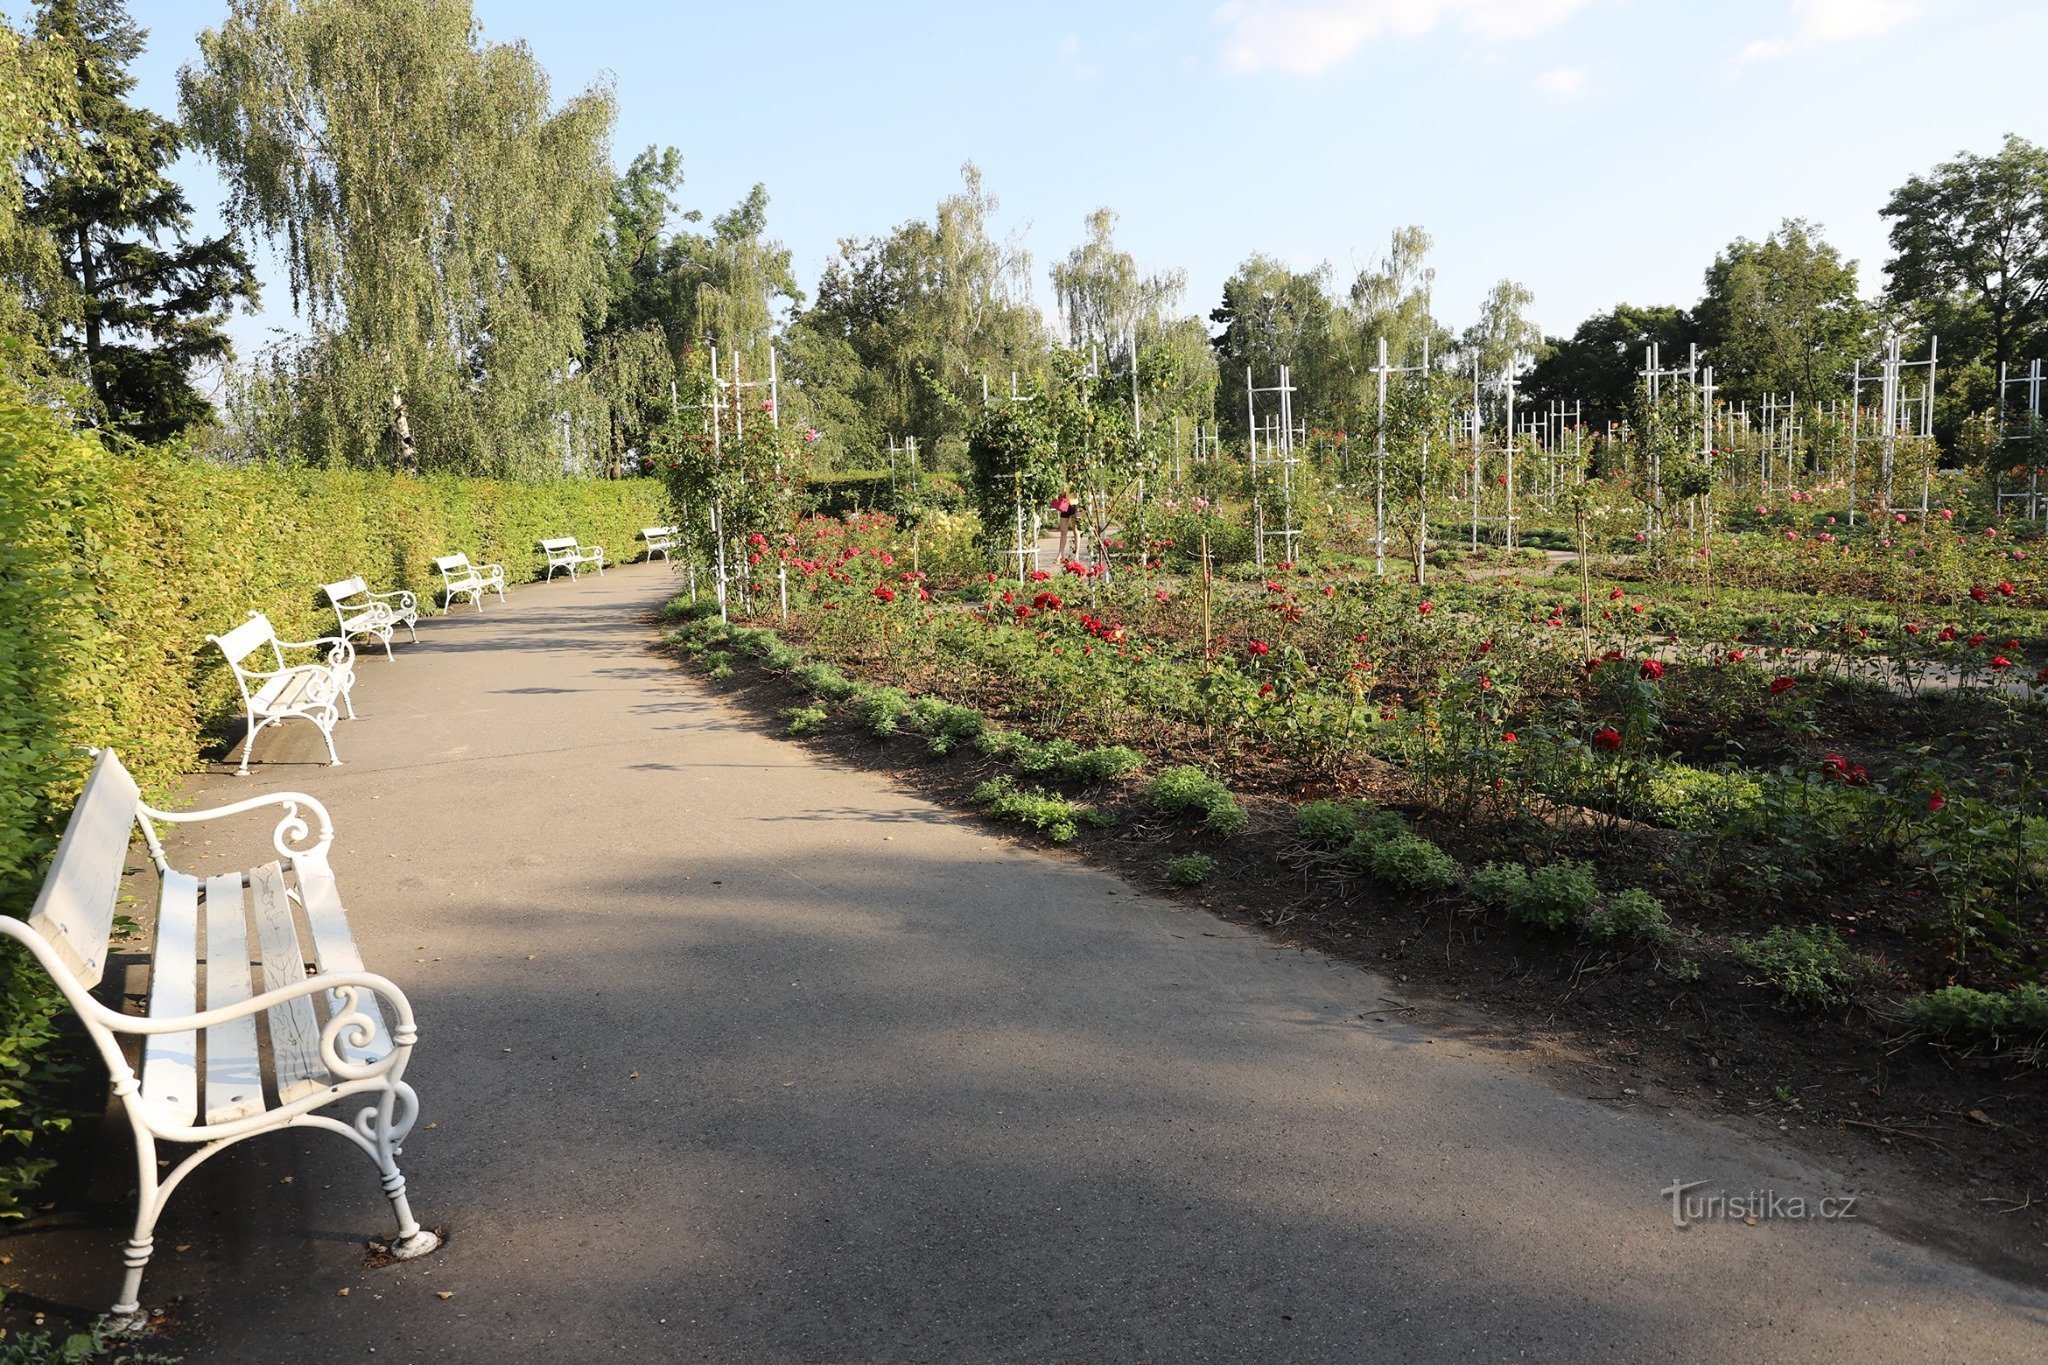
[{"x": 731, "y": 1054}]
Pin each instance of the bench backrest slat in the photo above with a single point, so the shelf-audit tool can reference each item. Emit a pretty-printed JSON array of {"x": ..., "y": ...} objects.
[
  {"x": 452, "y": 564},
  {"x": 75, "y": 912},
  {"x": 245, "y": 639},
  {"x": 337, "y": 593},
  {"x": 656, "y": 532},
  {"x": 559, "y": 543},
  {"x": 234, "y": 1072}
]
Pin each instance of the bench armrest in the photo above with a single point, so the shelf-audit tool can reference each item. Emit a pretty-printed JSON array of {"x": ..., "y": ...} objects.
[
  {"x": 339, "y": 650},
  {"x": 346, "y": 1023},
  {"x": 291, "y": 829},
  {"x": 402, "y": 597},
  {"x": 363, "y": 611}
]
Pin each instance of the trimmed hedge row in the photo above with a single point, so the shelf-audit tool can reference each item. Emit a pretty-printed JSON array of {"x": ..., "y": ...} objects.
[{"x": 114, "y": 567}]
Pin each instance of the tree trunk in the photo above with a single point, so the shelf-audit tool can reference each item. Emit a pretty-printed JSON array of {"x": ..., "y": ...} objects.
[
  {"x": 89, "y": 284},
  {"x": 408, "y": 454}
]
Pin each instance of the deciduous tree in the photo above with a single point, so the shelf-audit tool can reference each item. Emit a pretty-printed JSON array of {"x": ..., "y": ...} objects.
[
  {"x": 1970, "y": 251},
  {"x": 1782, "y": 316}
]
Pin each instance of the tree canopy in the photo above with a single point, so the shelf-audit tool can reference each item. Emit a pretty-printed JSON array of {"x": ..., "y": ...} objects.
[
  {"x": 1782, "y": 316},
  {"x": 439, "y": 219}
]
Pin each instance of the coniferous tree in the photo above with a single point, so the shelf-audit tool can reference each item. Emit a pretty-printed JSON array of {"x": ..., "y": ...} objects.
[{"x": 143, "y": 305}]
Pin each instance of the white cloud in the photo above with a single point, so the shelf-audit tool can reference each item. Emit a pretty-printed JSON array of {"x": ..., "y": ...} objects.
[
  {"x": 1307, "y": 37},
  {"x": 1562, "y": 82},
  {"x": 1818, "y": 22}
]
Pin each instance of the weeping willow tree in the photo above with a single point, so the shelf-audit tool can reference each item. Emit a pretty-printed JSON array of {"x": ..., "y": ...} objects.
[{"x": 440, "y": 222}]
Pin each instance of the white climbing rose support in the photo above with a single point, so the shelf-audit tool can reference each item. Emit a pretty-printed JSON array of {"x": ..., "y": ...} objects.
[
  {"x": 317, "y": 691},
  {"x": 230, "y": 954},
  {"x": 564, "y": 553},
  {"x": 460, "y": 578},
  {"x": 361, "y": 612}
]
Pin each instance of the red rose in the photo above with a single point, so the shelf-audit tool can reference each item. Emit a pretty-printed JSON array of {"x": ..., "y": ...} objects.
[
  {"x": 1259, "y": 648},
  {"x": 1780, "y": 686},
  {"x": 1608, "y": 738},
  {"x": 1651, "y": 670}
]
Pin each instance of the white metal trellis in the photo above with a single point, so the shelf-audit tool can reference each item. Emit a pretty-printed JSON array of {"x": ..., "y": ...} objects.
[
  {"x": 2020, "y": 423},
  {"x": 1026, "y": 526},
  {"x": 1900, "y": 412},
  {"x": 1280, "y": 454}
]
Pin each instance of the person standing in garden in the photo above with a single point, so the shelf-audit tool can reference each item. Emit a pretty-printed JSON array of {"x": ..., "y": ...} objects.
[{"x": 1070, "y": 524}]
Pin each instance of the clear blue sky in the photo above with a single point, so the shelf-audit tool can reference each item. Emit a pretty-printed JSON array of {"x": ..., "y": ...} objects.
[{"x": 1596, "y": 150}]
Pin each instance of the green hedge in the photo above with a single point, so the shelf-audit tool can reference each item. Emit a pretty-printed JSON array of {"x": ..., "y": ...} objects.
[{"x": 115, "y": 566}]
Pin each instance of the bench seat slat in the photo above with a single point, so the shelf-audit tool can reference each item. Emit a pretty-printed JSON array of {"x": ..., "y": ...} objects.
[
  {"x": 294, "y": 1032},
  {"x": 234, "y": 1073},
  {"x": 334, "y": 949},
  {"x": 170, "y": 1061},
  {"x": 286, "y": 690}
]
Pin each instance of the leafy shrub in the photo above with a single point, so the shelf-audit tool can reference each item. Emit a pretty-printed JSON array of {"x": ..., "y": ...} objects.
[
  {"x": 1952, "y": 1010},
  {"x": 1500, "y": 885},
  {"x": 1409, "y": 862},
  {"x": 880, "y": 709},
  {"x": 718, "y": 664},
  {"x": 996, "y": 742},
  {"x": 943, "y": 723},
  {"x": 804, "y": 720},
  {"x": 1102, "y": 763},
  {"x": 764, "y": 644},
  {"x": 1809, "y": 968},
  {"x": 1192, "y": 870},
  {"x": 2029, "y": 1008},
  {"x": 1056, "y": 818},
  {"x": 1563, "y": 896},
  {"x": 1958, "y": 1009},
  {"x": 825, "y": 681},
  {"x": 1188, "y": 790},
  {"x": 1061, "y": 758},
  {"x": 1327, "y": 824},
  {"x": 682, "y": 609},
  {"x": 1558, "y": 896},
  {"x": 1633, "y": 913}
]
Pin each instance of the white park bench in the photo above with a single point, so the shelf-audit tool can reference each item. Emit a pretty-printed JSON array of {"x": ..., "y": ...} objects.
[
  {"x": 460, "y": 578},
  {"x": 661, "y": 540},
  {"x": 564, "y": 553},
  {"x": 341, "y": 1033},
  {"x": 362, "y": 612},
  {"x": 306, "y": 691}
]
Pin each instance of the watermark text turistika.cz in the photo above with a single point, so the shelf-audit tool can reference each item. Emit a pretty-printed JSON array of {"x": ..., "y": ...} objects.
[{"x": 1753, "y": 1206}]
